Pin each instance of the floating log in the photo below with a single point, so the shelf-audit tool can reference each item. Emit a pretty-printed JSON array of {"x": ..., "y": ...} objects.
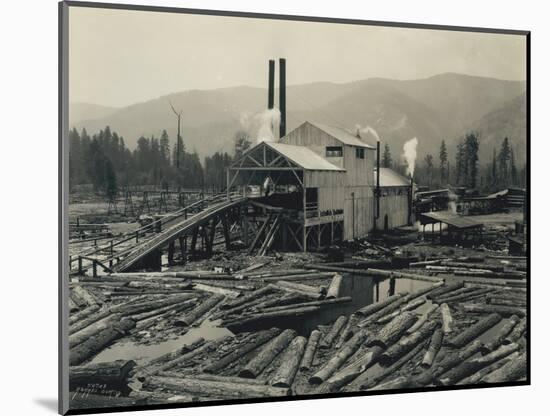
[
  {"x": 414, "y": 304},
  {"x": 250, "y": 297},
  {"x": 104, "y": 338},
  {"x": 256, "y": 318},
  {"x": 444, "y": 289},
  {"x": 516, "y": 333},
  {"x": 267, "y": 353},
  {"x": 251, "y": 268},
  {"x": 425, "y": 263},
  {"x": 512, "y": 370},
  {"x": 474, "y": 331},
  {"x": 147, "y": 292},
  {"x": 477, "y": 376},
  {"x": 339, "y": 358},
  {"x": 497, "y": 300},
  {"x": 335, "y": 287},
  {"x": 252, "y": 305},
  {"x": 306, "y": 290},
  {"x": 228, "y": 389},
  {"x": 322, "y": 303},
  {"x": 93, "y": 329},
  {"x": 290, "y": 361},
  {"x": 335, "y": 329},
  {"x": 311, "y": 347},
  {"x": 217, "y": 290},
  {"x": 418, "y": 324},
  {"x": 464, "y": 265},
  {"x": 113, "y": 374},
  {"x": 407, "y": 307},
  {"x": 473, "y": 294},
  {"x": 446, "y": 319},
  {"x": 347, "y": 332},
  {"x": 493, "y": 309},
  {"x": 85, "y": 295},
  {"x": 473, "y": 365},
  {"x": 213, "y": 377},
  {"x": 177, "y": 352},
  {"x": 89, "y": 320},
  {"x": 375, "y": 307},
  {"x": 503, "y": 332},
  {"x": 350, "y": 372},
  {"x": 367, "y": 383},
  {"x": 251, "y": 343},
  {"x": 400, "y": 275},
  {"x": 457, "y": 292},
  {"x": 190, "y": 317},
  {"x": 393, "y": 306},
  {"x": 160, "y": 286},
  {"x": 407, "y": 343},
  {"x": 83, "y": 314},
  {"x": 287, "y": 299},
  {"x": 136, "y": 308},
  {"x": 73, "y": 307},
  {"x": 76, "y": 299},
  {"x": 160, "y": 311},
  {"x": 312, "y": 275},
  {"x": 393, "y": 330},
  {"x": 433, "y": 348},
  {"x": 168, "y": 365},
  {"x": 449, "y": 361},
  {"x": 307, "y": 294}
]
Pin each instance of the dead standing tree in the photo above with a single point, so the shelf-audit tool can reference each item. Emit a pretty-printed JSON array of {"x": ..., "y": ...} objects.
[{"x": 178, "y": 140}]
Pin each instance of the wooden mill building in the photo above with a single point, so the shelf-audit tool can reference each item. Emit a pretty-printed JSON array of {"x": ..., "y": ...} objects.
[{"x": 313, "y": 187}]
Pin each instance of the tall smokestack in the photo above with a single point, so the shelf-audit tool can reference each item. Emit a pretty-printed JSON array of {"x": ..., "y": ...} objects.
[
  {"x": 282, "y": 96},
  {"x": 411, "y": 197},
  {"x": 378, "y": 179},
  {"x": 271, "y": 85}
]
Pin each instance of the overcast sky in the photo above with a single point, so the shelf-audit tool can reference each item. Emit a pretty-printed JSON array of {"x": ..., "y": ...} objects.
[{"x": 121, "y": 57}]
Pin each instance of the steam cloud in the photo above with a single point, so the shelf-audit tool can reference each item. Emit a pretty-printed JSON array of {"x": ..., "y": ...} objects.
[
  {"x": 268, "y": 119},
  {"x": 409, "y": 154},
  {"x": 368, "y": 130}
]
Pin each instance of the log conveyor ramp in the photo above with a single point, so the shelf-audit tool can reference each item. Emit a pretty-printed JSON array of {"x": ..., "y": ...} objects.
[
  {"x": 174, "y": 225},
  {"x": 174, "y": 231}
]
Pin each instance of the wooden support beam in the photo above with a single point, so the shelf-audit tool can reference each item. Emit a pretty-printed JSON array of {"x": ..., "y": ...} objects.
[{"x": 226, "y": 234}]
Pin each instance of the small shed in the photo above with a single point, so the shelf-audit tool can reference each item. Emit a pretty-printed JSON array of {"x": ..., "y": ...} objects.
[
  {"x": 395, "y": 199},
  {"x": 452, "y": 227}
]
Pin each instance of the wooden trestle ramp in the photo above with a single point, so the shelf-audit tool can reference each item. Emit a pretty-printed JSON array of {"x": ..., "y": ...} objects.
[
  {"x": 140, "y": 243},
  {"x": 449, "y": 332}
]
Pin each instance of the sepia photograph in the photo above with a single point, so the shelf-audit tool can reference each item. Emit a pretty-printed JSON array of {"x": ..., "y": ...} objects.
[{"x": 264, "y": 207}]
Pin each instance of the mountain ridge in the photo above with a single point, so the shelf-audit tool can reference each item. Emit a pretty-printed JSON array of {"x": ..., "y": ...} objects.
[{"x": 444, "y": 106}]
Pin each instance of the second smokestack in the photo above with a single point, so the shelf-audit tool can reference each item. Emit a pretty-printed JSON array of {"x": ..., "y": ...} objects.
[
  {"x": 271, "y": 85},
  {"x": 282, "y": 96}
]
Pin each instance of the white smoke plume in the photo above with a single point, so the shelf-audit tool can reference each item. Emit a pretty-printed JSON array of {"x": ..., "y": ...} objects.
[
  {"x": 409, "y": 154},
  {"x": 244, "y": 120},
  {"x": 451, "y": 205},
  {"x": 368, "y": 131},
  {"x": 268, "y": 119}
]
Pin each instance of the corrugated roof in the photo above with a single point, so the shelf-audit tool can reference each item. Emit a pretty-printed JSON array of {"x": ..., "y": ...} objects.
[
  {"x": 304, "y": 157},
  {"x": 389, "y": 177},
  {"x": 342, "y": 135},
  {"x": 451, "y": 219}
]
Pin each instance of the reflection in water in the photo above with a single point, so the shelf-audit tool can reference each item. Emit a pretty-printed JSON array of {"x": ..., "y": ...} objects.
[{"x": 129, "y": 350}]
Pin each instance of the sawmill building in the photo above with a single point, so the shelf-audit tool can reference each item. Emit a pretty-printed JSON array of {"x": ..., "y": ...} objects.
[{"x": 317, "y": 187}]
